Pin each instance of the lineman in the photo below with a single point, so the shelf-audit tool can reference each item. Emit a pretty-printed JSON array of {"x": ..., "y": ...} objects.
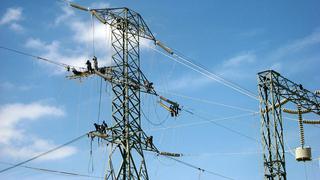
[{"x": 89, "y": 67}]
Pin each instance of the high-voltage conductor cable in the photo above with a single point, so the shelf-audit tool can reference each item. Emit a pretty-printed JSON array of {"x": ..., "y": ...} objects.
[
  {"x": 199, "y": 168},
  {"x": 206, "y": 73},
  {"x": 214, "y": 121},
  {"x": 66, "y": 173},
  {"x": 225, "y": 127},
  {"x": 43, "y": 154},
  {"x": 208, "y": 101},
  {"x": 190, "y": 61},
  {"x": 38, "y": 57},
  {"x": 203, "y": 122}
]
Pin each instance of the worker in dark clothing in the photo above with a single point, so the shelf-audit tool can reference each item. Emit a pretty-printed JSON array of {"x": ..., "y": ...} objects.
[
  {"x": 89, "y": 67},
  {"x": 76, "y": 72},
  {"x": 104, "y": 124},
  {"x": 97, "y": 126},
  {"x": 149, "y": 141},
  {"x": 148, "y": 85},
  {"x": 95, "y": 62}
]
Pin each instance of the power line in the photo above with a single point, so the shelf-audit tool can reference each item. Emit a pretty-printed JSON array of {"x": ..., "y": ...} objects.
[
  {"x": 188, "y": 60},
  {"x": 38, "y": 57},
  {"x": 203, "y": 122},
  {"x": 208, "y": 101},
  {"x": 227, "y": 128},
  {"x": 55, "y": 171},
  {"x": 214, "y": 122},
  {"x": 198, "y": 168},
  {"x": 43, "y": 154},
  {"x": 208, "y": 74}
]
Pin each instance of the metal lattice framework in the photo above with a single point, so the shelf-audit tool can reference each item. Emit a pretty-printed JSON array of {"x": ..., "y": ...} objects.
[
  {"x": 127, "y": 27},
  {"x": 275, "y": 90},
  {"x": 126, "y": 137}
]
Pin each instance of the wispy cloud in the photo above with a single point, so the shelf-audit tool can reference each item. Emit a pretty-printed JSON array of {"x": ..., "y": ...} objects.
[
  {"x": 246, "y": 64},
  {"x": 295, "y": 46},
  {"x": 88, "y": 35},
  {"x": 11, "y": 17},
  {"x": 296, "y": 53},
  {"x": 11, "y": 86},
  {"x": 239, "y": 60},
  {"x": 53, "y": 51},
  {"x": 66, "y": 13},
  {"x": 186, "y": 81},
  {"x": 15, "y": 142},
  {"x": 83, "y": 35}
]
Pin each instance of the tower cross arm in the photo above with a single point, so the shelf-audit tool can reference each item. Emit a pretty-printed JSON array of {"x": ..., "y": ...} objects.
[{"x": 291, "y": 91}]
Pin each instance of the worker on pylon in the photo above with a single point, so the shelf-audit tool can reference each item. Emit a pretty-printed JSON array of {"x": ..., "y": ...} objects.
[
  {"x": 149, "y": 141},
  {"x": 76, "y": 72},
  {"x": 89, "y": 67},
  {"x": 148, "y": 85},
  {"x": 95, "y": 63}
]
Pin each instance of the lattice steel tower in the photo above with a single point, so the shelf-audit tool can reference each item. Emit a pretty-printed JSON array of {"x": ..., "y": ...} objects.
[
  {"x": 126, "y": 134},
  {"x": 274, "y": 91},
  {"x": 127, "y": 27}
]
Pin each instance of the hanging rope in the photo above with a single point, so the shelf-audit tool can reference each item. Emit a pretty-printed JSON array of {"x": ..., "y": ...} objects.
[
  {"x": 90, "y": 163},
  {"x": 93, "y": 30},
  {"x": 99, "y": 106}
]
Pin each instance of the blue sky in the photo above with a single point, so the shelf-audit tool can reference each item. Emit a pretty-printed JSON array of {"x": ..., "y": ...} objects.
[{"x": 40, "y": 108}]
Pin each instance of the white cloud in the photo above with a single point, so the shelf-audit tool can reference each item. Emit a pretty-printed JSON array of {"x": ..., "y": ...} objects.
[
  {"x": 239, "y": 60},
  {"x": 187, "y": 81},
  {"x": 53, "y": 52},
  {"x": 12, "y": 86},
  {"x": 12, "y": 114},
  {"x": 245, "y": 65},
  {"x": 296, "y": 46},
  {"x": 82, "y": 35},
  {"x": 11, "y": 15},
  {"x": 64, "y": 15},
  {"x": 16, "y": 27},
  {"x": 15, "y": 142},
  {"x": 36, "y": 147}
]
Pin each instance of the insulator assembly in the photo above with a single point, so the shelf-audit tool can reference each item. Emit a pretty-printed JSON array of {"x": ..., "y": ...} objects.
[
  {"x": 300, "y": 126},
  {"x": 302, "y": 153},
  {"x": 311, "y": 121},
  {"x": 173, "y": 107}
]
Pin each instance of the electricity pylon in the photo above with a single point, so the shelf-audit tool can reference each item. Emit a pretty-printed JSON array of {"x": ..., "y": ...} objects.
[
  {"x": 126, "y": 134},
  {"x": 274, "y": 91}
]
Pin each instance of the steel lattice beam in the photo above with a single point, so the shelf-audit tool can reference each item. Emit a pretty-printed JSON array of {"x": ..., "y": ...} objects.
[{"x": 275, "y": 89}]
